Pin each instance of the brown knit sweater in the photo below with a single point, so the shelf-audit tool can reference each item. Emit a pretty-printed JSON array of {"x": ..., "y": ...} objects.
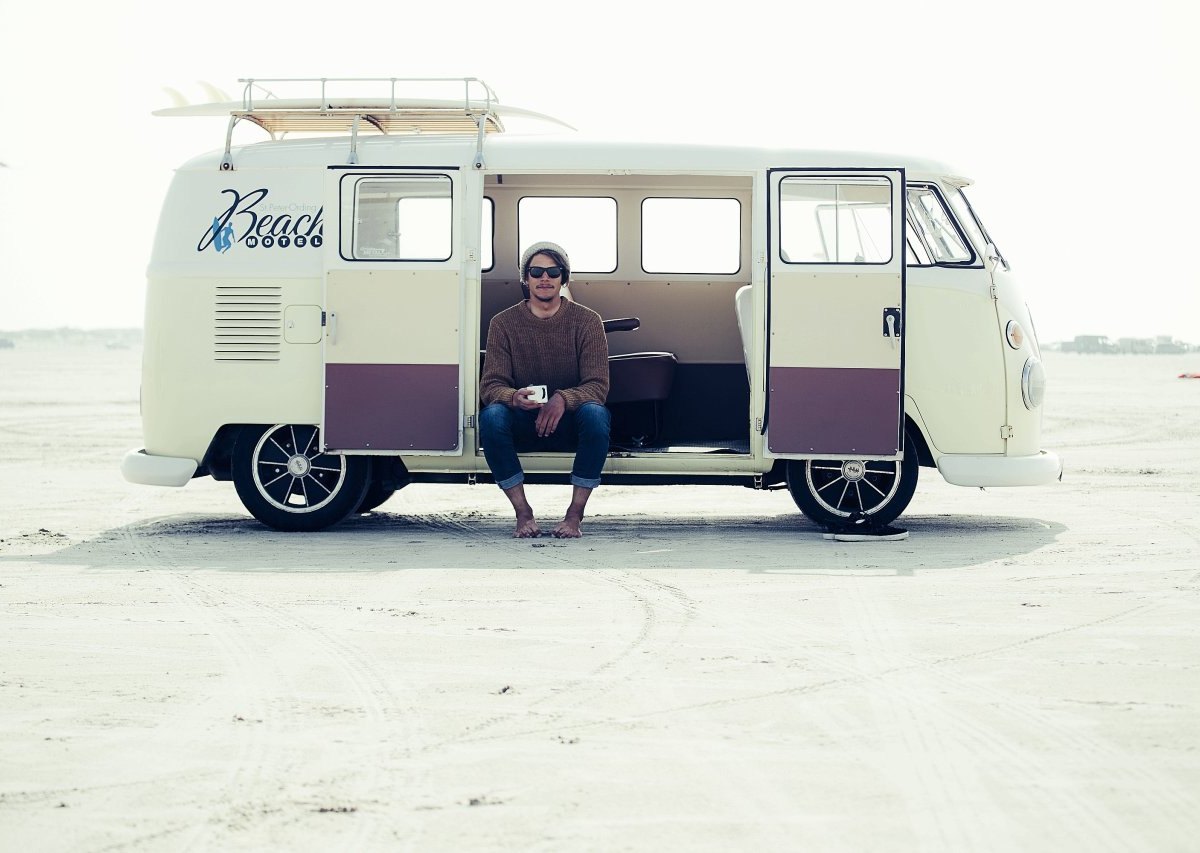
[{"x": 568, "y": 353}]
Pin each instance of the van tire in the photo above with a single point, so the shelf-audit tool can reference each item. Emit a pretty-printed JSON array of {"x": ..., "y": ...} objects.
[
  {"x": 287, "y": 483},
  {"x": 376, "y": 494},
  {"x": 828, "y": 491}
]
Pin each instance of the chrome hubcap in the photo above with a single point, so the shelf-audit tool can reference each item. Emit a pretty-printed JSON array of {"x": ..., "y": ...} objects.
[
  {"x": 852, "y": 486},
  {"x": 292, "y": 473}
]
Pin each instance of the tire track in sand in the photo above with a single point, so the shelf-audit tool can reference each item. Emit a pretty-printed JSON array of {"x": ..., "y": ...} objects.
[
  {"x": 942, "y": 760},
  {"x": 255, "y": 681},
  {"x": 664, "y": 613},
  {"x": 247, "y": 629}
]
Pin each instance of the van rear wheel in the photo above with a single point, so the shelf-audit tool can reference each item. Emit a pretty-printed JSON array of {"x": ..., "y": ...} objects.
[
  {"x": 831, "y": 492},
  {"x": 376, "y": 494},
  {"x": 287, "y": 483}
]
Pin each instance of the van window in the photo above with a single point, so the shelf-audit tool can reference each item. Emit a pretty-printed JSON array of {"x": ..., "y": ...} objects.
[
  {"x": 835, "y": 220},
  {"x": 585, "y": 227},
  {"x": 934, "y": 229},
  {"x": 691, "y": 235},
  {"x": 487, "y": 236},
  {"x": 403, "y": 218}
]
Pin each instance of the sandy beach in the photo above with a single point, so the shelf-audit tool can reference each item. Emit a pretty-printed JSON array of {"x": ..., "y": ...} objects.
[{"x": 700, "y": 672}]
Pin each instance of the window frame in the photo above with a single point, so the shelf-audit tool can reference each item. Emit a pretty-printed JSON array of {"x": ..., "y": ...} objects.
[
  {"x": 488, "y": 200},
  {"x": 833, "y": 180},
  {"x": 576, "y": 269},
  {"x": 702, "y": 273},
  {"x": 918, "y": 234},
  {"x": 357, "y": 180}
]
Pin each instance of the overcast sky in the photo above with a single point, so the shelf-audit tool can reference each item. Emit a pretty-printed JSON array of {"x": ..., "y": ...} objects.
[{"x": 1075, "y": 120}]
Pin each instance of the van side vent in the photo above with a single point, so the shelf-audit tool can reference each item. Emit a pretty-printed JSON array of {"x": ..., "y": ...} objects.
[{"x": 247, "y": 322}]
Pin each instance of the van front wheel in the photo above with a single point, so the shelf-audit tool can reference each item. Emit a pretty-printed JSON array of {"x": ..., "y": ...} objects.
[
  {"x": 287, "y": 483},
  {"x": 831, "y": 492}
]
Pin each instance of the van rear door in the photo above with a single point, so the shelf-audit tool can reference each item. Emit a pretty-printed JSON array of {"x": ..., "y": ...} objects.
[
  {"x": 835, "y": 314},
  {"x": 393, "y": 311}
]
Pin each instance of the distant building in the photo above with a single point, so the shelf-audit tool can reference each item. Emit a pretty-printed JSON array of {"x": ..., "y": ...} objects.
[
  {"x": 1136, "y": 346},
  {"x": 1160, "y": 345},
  {"x": 1090, "y": 344},
  {"x": 1166, "y": 345}
]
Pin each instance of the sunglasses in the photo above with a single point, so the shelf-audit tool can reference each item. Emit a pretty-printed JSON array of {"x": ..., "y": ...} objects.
[{"x": 538, "y": 272}]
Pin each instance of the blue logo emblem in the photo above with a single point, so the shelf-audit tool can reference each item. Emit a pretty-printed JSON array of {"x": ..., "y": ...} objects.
[{"x": 222, "y": 235}]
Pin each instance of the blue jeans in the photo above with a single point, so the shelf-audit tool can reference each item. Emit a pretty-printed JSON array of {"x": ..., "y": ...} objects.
[{"x": 505, "y": 432}]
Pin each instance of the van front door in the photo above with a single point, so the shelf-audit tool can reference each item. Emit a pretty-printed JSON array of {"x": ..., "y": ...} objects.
[
  {"x": 393, "y": 312},
  {"x": 835, "y": 314}
]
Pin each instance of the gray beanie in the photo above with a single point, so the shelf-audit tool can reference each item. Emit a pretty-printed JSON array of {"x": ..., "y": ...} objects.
[{"x": 553, "y": 250}]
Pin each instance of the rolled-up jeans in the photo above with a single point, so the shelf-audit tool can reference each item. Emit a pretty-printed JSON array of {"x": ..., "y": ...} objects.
[{"x": 505, "y": 432}]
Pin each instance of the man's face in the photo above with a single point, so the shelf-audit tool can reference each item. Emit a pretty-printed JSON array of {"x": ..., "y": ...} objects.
[{"x": 544, "y": 289}]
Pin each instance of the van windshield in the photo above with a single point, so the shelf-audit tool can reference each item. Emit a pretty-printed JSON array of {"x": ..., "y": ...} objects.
[{"x": 967, "y": 216}]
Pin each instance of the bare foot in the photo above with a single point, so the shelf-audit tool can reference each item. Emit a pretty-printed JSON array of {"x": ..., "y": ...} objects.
[
  {"x": 527, "y": 527},
  {"x": 568, "y": 528}
]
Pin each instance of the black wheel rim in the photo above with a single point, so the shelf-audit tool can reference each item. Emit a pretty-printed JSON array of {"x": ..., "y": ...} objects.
[
  {"x": 292, "y": 473},
  {"x": 852, "y": 486}
]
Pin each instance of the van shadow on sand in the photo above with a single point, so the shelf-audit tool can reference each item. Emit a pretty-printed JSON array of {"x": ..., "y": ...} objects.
[{"x": 383, "y": 542}]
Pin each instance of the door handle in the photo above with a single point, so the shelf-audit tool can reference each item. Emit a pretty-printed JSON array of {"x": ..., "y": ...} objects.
[
  {"x": 891, "y": 323},
  {"x": 333, "y": 328}
]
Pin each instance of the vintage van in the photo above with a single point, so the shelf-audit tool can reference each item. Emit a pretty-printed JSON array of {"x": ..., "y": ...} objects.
[{"x": 825, "y": 321}]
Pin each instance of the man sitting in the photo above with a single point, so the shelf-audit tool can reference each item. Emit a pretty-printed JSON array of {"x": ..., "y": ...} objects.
[{"x": 546, "y": 340}]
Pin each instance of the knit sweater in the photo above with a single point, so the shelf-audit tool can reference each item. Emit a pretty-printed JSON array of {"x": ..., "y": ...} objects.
[{"x": 568, "y": 353}]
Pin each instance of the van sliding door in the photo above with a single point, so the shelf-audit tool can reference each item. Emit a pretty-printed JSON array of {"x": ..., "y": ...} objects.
[
  {"x": 836, "y": 314},
  {"x": 393, "y": 312}
]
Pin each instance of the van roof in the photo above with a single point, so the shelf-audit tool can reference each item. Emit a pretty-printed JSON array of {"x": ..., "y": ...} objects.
[
  {"x": 562, "y": 153},
  {"x": 391, "y": 128}
]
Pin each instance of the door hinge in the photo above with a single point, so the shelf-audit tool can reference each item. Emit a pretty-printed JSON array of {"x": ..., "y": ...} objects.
[
  {"x": 470, "y": 422},
  {"x": 322, "y": 319},
  {"x": 1006, "y": 432},
  {"x": 993, "y": 292},
  {"x": 758, "y": 427}
]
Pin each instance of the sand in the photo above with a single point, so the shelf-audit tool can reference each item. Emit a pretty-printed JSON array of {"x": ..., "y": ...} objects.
[{"x": 701, "y": 672}]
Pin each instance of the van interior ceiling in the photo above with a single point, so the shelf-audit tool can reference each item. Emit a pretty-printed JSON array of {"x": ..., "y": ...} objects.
[{"x": 670, "y": 250}]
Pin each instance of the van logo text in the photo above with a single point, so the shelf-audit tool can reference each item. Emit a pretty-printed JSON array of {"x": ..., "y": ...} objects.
[{"x": 247, "y": 221}]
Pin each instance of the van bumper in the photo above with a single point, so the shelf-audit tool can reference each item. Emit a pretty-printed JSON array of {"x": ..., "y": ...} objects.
[
  {"x": 138, "y": 466},
  {"x": 1036, "y": 470}
]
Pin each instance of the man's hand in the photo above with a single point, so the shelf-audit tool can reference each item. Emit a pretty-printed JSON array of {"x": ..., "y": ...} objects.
[
  {"x": 523, "y": 400},
  {"x": 550, "y": 415}
]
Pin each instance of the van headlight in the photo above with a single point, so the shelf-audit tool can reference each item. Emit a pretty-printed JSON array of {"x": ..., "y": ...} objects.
[{"x": 1033, "y": 383}]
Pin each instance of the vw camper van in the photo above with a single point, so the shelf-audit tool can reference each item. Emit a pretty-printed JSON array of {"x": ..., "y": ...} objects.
[{"x": 830, "y": 322}]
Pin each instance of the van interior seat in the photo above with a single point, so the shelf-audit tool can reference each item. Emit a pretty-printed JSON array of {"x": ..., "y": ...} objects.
[
  {"x": 743, "y": 304},
  {"x": 633, "y": 377},
  {"x": 640, "y": 376},
  {"x": 636, "y": 376}
]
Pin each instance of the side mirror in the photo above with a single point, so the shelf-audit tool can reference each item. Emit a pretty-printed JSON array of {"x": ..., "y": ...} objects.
[{"x": 994, "y": 256}]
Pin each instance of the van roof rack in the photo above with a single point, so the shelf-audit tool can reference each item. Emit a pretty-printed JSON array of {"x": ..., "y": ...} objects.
[{"x": 477, "y": 112}]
